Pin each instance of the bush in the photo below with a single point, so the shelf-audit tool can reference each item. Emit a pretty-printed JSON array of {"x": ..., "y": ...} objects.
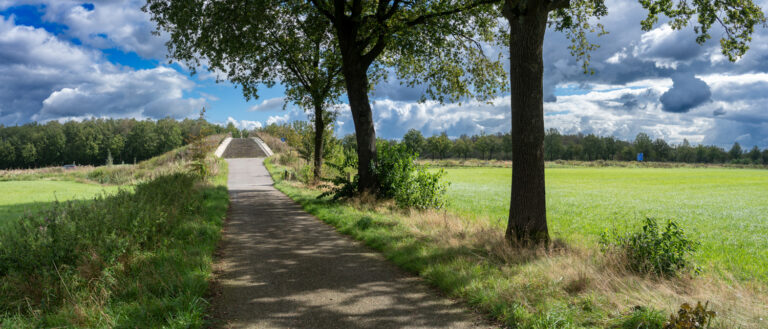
[
  {"x": 690, "y": 318},
  {"x": 653, "y": 251},
  {"x": 400, "y": 178},
  {"x": 403, "y": 179}
]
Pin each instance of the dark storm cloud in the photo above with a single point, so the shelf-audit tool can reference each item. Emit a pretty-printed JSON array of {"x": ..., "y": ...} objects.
[{"x": 686, "y": 93}]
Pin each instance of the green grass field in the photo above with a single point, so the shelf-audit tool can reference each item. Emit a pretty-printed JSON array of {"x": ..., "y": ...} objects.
[
  {"x": 724, "y": 209},
  {"x": 20, "y": 197}
]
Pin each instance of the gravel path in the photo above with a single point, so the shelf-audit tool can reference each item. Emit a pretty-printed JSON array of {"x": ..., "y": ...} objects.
[{"x": 279, "y": 267}]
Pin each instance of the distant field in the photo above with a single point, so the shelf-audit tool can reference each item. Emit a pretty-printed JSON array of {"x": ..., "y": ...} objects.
[
  {"x": 19, "y": 197},
  {"x": 724, "y": 209}
]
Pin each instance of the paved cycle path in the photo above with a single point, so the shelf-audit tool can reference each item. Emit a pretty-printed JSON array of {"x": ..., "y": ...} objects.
[{"x": 279, "y": 267}]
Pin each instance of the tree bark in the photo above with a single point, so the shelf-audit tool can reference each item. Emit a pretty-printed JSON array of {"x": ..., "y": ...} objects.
[
  {"x": 319, "y": 141},
  {"x": 355, "y": 71},
  {"x": 527, "y": 209}
]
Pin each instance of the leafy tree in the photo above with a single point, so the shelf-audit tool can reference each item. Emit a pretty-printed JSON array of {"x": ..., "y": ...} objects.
[
  {"x": 426, "y": 42},
  {"x": 303, "y": 140},
  {"x": 661, "y": 150},
  {"x": 553, "y": 144},
  {"x": 506, "y": 144},
  {"x": 142, "y": 141},
  {"x": 28, "y": 154},
  {"x": 439, "y": 145},
  {"x": 257, "y": 43},
  {"x": 528, "y": 21},
  {"x": 7, "y": 154},
  {"x": 462, "y": 146},
  {"x": 232, "y": 130},
  {"x": 414, "y": 141},
  {"x": 735, "y": 152},
  {"x": 494, "y": 144},
  {"x": 481, "y": 145},
  {"x": 755, "y": 155},
  {"x": 644, "y": 145},
  {"x": 169, "y": 135},
  {"x": 593, "y": 147}
]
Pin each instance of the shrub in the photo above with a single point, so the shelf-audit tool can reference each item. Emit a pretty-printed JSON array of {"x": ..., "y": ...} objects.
[
  {"x": 691, "y": 318},
  {"x": 651, "y": 250},
  {"x": 344, "y": 185},
  {"x": 400, "y": 178}
]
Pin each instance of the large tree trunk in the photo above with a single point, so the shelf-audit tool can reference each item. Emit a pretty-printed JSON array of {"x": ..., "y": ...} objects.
[
  {"x": 357, "y": 90},
  {"x": 319, "y": 141},
  {"x": 355, "y": 71},
  {"x": 527, "y": 209}
]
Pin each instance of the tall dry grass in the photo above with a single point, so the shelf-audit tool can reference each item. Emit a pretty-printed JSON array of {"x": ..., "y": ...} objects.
[{"x": 583, "y": 271}]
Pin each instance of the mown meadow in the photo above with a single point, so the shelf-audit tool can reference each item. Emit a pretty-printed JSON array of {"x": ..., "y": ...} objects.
[
  {"x": 726, "y": 210},
  {"x": 20, "y": 197}
]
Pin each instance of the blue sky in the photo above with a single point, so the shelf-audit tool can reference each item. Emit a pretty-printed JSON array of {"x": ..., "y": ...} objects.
[{"x": 70, "y": 60}]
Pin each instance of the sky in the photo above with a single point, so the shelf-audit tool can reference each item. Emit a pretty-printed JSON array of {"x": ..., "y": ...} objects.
[{"x": 72, "y": 60}]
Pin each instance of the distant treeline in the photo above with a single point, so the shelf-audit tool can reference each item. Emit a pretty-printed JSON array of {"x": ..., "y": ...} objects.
[
  {"x": 556, "y": 147},
  {"x": 581, "y": 147},
  {"x": 92, "y": 142}
]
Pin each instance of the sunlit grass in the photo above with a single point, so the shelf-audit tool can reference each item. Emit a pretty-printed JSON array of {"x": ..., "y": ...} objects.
[
  {"x": 462, "y": 251},
  {"x": 724, "y": 209},
  {"x": 20, "y": 197}
]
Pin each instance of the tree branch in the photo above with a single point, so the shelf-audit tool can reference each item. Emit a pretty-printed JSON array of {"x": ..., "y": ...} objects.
[
  {"x": 422, "y": 19},
  {"x": 559, "y": 4},
  {"x": 323, "y": 9}
]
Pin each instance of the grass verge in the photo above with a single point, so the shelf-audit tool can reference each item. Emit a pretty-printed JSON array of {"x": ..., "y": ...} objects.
[
  {"x": 562, "y": 287},
  {"x": 138, "y": 259}
]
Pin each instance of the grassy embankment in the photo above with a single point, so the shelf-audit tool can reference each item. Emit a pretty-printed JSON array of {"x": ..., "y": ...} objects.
[
  {"x": 138, "y": 258},
  {"x": 573, "y": 285}
]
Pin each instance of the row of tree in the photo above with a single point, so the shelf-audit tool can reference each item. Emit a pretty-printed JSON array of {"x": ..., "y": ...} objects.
[
  {"x": 93, "y": 142},
  {"x": 580, "y": 147},
  {"x": 320, "y": 49}
]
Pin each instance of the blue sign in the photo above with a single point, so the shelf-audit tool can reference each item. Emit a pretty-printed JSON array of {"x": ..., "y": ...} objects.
[
  {"x": 282, "y": 139},
  {"x": 640, "y": 157}
]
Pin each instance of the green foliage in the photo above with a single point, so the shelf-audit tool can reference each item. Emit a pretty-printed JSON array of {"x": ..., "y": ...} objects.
[
  {"x": 652, "y": 250},
  {"x": 414, "y": 141},
  {"x": 400, "y": 178},
  {"x": 90, "y": 142},
  {"x": 303, "y": 140},
  {"x": 738, "y": 18},
  {"x": 411, "y": 185},
  {"x": 138, "y": 259},
  {"x": 691, "y": 317},
  {"x": 343, "y": 185},
  {"x": 580, "y": 147}
]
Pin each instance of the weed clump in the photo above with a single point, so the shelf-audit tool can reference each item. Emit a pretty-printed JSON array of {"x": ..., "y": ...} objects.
[
  {"x": 653, "y": 250},
  {"x": 691, "y": 317}
]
